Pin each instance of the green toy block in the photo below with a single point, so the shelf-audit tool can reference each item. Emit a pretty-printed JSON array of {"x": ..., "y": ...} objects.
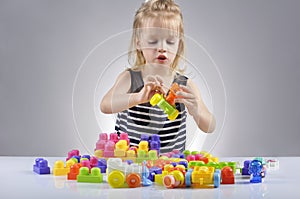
[
  {"x": 186, "y": 153},
  {"x": 233, "y": 166},
  {"x": 94, "y": 177},
  {"x": 222, "y": 164},
  {"x": 152, "y": 154},
  {"x": 212, "y": 164}
]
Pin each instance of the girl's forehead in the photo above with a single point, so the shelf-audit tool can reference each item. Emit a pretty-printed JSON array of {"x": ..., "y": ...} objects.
[
  {"x": 161, "y": 25},
  {"x": 158, "y": 32}
]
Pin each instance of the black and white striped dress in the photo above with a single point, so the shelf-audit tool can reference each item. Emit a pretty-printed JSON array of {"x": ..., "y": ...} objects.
[{"x": 145, "y": 119}]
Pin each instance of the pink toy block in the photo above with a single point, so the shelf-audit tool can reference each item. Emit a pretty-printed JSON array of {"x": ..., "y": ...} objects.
[
  {"x": 72, "y": 153},
  {"x": 190, "y": 158},
  {"x": 109, "y": 149},
  {"x": 114, "y": 137},
  {"x": 86, "y": 163},
  {"x": 100, "y": 144},
  {"x": 93, "y": 161}
]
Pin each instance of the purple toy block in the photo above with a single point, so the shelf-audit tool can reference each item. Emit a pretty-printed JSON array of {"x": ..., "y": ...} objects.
[
  {"x": 153, "y": 171},
  {"x": 102, "y": 165},
  {"x": 86, "y": 156},
  {"x": 41, "y": 166},
  {"x": 245, "y": 169},
  {"x": 184, "y": 163}
]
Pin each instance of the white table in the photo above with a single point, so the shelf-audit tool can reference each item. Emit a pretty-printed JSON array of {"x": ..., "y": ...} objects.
[{"x": 19, "y": 181}]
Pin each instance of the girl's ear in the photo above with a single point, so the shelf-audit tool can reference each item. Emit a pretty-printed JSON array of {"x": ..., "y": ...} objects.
[{"x": 138, "y": 44}]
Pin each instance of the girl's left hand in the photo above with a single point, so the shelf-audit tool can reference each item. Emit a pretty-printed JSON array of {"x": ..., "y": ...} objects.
[{"x": 189, "y": 98}]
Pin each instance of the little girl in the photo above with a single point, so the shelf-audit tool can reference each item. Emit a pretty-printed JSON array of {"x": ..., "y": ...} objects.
[{"x": 157, "y": 45}]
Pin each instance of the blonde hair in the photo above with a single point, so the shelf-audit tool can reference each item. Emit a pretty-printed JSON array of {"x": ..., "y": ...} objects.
[{"x": 170, "y": 15}]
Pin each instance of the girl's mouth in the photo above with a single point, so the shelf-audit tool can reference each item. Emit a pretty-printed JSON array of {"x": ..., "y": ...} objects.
[{"x": 161, "y": 57}]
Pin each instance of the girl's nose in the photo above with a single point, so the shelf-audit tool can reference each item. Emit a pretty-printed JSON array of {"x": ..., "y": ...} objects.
[{"x": 161, "y": 50}]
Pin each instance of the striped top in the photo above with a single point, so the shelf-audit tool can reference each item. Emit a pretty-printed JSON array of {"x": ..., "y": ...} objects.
[{"x": 146, "y": 119}]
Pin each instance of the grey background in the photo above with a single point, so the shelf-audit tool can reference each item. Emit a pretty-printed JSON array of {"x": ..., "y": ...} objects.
[{"x": 254, "y": 43}]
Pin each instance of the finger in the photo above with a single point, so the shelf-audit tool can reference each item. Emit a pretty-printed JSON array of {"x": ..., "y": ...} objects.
[
  {"x": 159, "y": 79},
  {"x": 185, "y": 88},
  {"x": 185, "y": 95},
  {"x": 150, "y": 78},
  {"x": 187, "y": 103}
]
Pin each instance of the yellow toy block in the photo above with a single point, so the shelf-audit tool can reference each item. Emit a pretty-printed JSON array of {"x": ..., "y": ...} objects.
[
  {"x": 98, "y": 153},
  {"x": 203, "y": 175},
  {"x": 119, "y": 153},
  {"x": 59, "y": 168},
  {"x": 143, "y": 145}
]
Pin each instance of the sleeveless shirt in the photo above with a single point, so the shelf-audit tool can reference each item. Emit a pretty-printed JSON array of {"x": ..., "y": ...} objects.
[{"x": 148, "y": 119}]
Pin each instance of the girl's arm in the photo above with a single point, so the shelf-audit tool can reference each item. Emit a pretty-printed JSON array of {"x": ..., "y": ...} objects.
[
  {"x": 191, "y": 97},
  {"x": 118, "y": 99}
]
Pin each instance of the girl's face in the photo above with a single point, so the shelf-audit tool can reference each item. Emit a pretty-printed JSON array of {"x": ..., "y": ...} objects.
[{"x": 159, "y": 45}]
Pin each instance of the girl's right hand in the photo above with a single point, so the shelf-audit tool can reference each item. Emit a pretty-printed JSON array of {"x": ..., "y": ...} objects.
[{"x": 152, "y": 85}]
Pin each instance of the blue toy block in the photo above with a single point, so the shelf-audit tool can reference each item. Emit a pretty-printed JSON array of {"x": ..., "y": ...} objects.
[{"x": 41, "y": 166}]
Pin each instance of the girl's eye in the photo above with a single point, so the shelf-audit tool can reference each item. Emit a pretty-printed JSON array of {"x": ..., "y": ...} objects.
[
  {"x": 170, "y": 42},
  {"x": 152, "y": 42}
]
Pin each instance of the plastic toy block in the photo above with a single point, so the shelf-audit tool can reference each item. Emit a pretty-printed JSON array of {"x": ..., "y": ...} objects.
[
  {"x": 233, "y": 166},
  {"x": 133, "y": 148},
  {"x": 155, "y": 142},
  {"x": 143, "y": 145},
  {"x": 273, "y": 164},
  {"x": 190, "y": 158},
  {"x": 130, "y": 153},
  {"x": 86, "y": 156},
  {"x": 186, "y": 153},
  {"x": 227, "y": 175},
  {"x": 109, "y": 149},
  {"x": 114, "y": 137},
  {"x": 100, "y": 144},
  {"x": 129, "y": 162},
  {"x": 195, "y": 153},
  {"x": 93, "y": 161},
  {"x": 94, "y": 177},
  {"x": 159, "y": 100},
  {"x": 119, "y": 153},
  {"x": 184, "y": 163},
  {"x": 59, "y": 169},
  {"x": 213, "y": 164},
  {"x": 74, "y": 171},
  {"x": 176, "y": 156},
  {"x": 145, "y": 137},
  {"x": 222, "y": 164},
  {"x": 120, "y": 148},
  {"x": 141, "y": 156},
  {"x": 202, "y": 175},
  {"x": 152, "y": 155},
  {"x": 72, "y": 153},
  {"x": 98, "y": 153},
  {"x": 102, "y": 165},
  {"x": 41, "y": 166},
  {"x": 77, "y": 157},
  {"x": 255, "y": 168},
  {"x": 70, "y": 162},
  {"x": 154, "y": 145},
  {"x": 124, "y": 136},
  {"x": 86, "y": 163},
  {"x": 103, "y": 136},
  {"x": 153, "y": 171},
  {"x": 172, "y": 93},
  {"x": 245, "y": 169}
]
